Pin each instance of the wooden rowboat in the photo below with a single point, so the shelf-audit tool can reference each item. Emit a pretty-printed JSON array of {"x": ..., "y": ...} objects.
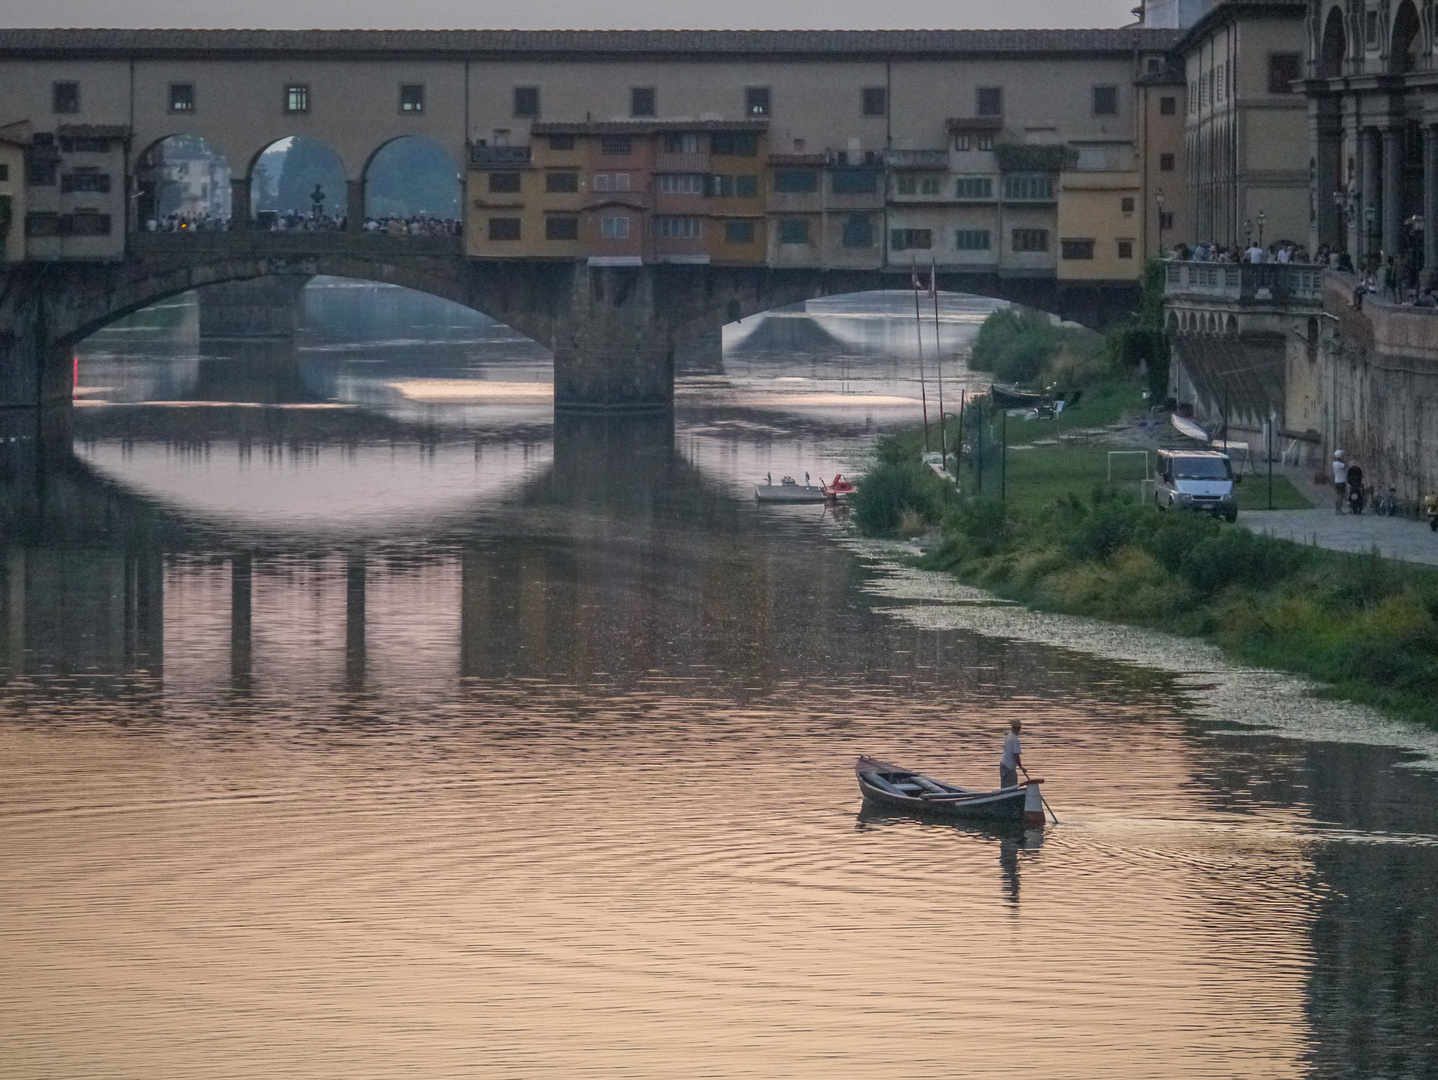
[{"x": 902, "y": 789}]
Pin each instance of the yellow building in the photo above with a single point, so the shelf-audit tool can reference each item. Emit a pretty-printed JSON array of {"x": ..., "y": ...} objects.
[{"x": 1099, "y": 226}]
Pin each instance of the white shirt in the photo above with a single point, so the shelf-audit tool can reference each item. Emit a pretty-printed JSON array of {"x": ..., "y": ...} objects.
[
  {"x": 1340, "y": 472},
  {"x": 1012, "y": 750},
  {"x": 1257, "y": 254}
]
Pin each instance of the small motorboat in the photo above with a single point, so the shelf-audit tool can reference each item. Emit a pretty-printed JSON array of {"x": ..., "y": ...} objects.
[
  {"x": 789, "y": 490},
  {"x": 902, "y": 789},
  {"x": 841, "y": 488},
  {"x": 1014, "y": 398}
]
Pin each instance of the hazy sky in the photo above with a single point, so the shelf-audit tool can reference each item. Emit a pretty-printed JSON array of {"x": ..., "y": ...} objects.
[{"x": 569, "y": 14}]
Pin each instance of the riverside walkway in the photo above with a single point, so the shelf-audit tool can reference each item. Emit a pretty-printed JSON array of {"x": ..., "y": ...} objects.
[{"x": 1394, "y": 538}]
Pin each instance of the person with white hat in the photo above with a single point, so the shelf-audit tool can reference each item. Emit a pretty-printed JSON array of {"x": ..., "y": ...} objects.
[{"x": 1340, "y": 481}]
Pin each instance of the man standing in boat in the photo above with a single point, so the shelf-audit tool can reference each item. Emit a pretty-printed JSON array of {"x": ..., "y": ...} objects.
[{"x": 1012, "y": 761}]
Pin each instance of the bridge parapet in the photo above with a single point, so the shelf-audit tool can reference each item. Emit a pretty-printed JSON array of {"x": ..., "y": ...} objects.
[
  {"x": 1262, "y": 283},
  {"x": 261, "y": 243}
]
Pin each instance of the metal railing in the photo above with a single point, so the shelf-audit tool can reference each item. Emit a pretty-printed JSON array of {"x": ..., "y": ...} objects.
[{"x": 1260, "y": 282}]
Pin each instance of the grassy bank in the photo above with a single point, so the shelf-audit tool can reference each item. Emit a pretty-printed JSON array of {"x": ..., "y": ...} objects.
[{"x": 1067, "y": 541}]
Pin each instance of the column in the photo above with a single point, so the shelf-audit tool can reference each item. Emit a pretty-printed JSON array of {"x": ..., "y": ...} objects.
[
  {"x": 1392, "y": 190},
  {"x": 1430, "y": 201},
  {"x": 1369, "y": 199},
  {"x": 354, "y": 205},
  {"x": 240, "y": 216}
]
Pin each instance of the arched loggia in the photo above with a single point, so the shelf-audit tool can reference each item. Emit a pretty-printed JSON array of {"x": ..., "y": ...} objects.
[
  {"x": 412, "y": 177},
  {"x": 297, "y": 179},
  {"x": 1406, "y": 41},
  {"x": 182, "y": 182},
  {"x": 1334, "y": 47}
]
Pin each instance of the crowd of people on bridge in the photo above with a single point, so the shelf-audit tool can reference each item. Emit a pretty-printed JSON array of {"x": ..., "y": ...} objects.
[
  {"x": 295, "y": 221},
  {"x": 175, "y": 223},
  {"x": 1281, "y": 252}
]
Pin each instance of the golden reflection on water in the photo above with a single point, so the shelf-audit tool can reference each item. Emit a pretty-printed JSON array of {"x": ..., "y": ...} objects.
[{"x": 515, "y": 878}]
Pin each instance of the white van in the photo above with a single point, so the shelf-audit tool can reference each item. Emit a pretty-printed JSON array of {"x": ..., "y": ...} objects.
[{"x": 1196, "y": 480}]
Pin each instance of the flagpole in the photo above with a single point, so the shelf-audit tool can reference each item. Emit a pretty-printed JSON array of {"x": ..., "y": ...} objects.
[
  {"x": 939, "y": 364},
  {"x": 919, "y": 326}
]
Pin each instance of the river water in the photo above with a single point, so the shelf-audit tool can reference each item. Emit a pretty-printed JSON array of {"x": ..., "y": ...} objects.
[{"x": 358, "y": 721}]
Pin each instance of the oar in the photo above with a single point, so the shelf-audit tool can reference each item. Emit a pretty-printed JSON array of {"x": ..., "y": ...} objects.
[{"x": 1047, "y": 807}]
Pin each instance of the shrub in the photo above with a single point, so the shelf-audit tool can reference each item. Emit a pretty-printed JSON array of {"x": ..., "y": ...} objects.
[
  {"x": 890, "y": 491},
  {"x": 1015, "y": 345}
]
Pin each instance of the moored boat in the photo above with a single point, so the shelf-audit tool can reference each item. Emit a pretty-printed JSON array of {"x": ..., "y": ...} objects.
[
  {"x": 841, "y": 488},
  {"x": 1014, "y": 398},
  {"x": 903, "y": 789},
  {"x": 789, "y": 490}
]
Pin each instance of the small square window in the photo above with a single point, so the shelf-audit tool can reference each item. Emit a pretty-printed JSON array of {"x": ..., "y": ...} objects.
[
  {"x": 616, "y": 146},
  {"x": 614, "y": 228},
  {"x": 756, "y": 101},
  {"x": 1125, "y": 249},
  {"x": 1283, "y": 70},
  {"x": 739, "y": 232},
  {"x": 642, "y": 101},
  {"x": 65, "y": 97},
  {"x": 985, "y": 143},
  {"x": 526, "y": 102},
  {"x": 561, "y": 142},
  {"x": 504, "y": 183},
  {"x": 182, "y": 97},
  {"x": 561, "y": 228},
  {"x": 963, "y": 142},
  {"x": 504, "y": 228},
  {"x": 874, "y": 101},
  {"x": 990, "y": 101},
  {"x": 1155, "y": 65},
  {"x": 1168, "y": 106},
  {"x": 1126, "y": 204},
  {"x": 1077, "y": 249},
  {"x": 297, "y": 98},
  {"x": 411, "y": 98},
  {"x": 1105, "y": 100},
  {"x": 858, "y": 231},
  {"x": 907, "y": 185},
  {"x": 1166, "y": 162},
  {"x": 561, "y": 182},
  {"x": 793, "y": 231}
]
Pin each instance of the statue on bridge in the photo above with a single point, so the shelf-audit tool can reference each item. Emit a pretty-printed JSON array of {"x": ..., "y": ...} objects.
[{"x": 317, "y": 200}]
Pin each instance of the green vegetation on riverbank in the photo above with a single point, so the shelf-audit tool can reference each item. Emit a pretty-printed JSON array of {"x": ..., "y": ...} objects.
[{"x": 1063, "y": 542}]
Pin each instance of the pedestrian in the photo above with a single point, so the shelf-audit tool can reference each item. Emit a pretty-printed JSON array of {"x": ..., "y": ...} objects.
[
  {"x": 1340, "y": 481},
  {"x": 1011, "y": 762}
]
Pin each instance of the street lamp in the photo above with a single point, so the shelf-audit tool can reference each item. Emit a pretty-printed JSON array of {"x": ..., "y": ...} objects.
[
  {"x": 1158, "y": 198},
  {"x": 1248, "y": 232},
  {"x": 1260, "y": 228}
]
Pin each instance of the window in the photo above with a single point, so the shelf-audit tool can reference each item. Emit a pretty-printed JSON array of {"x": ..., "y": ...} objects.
[
  {"x": 42, "y": 173},
  {"x": 182, "y": 97},
  {"x": 643, "y": 101},
  {"x": 1029, "y": 188},
  {"x": 1283, "y": 69},
  {"x": 1105, "y": 100},
  {"x": 1192, "y": 96},
  {"x": 974, "y": 187},
  {"x": 681, "y": 142},
  {"x": 796, "y": 181},
  {"x": 984, "y": 142},
  {"x": 411, "y": 98},
  {"x": 297, "y": 98},
  {"x": 504, "y": 228},
  {"x": 616, "y": 145},
  {"x": 1076, "y": 249},
  {"x": 86, "y": 223},
  {"x": 907, "y": 185},
  {"x": 42, "y": 223},
  {"x": 65, "y": 97},
  {"x": 739, "y": 232},
  {"x": 756, "y": 101},
  {"x": 1030, "y": 240},
  {"x": 858, "y": 231},
  {"x": 1168, "y": 106},
  {"x": 1165, "y": 162},
  {"x": 4, "y": 174},
  {"x": 561, "y": 183},
  {"x": 746, "y": 187},
  {"x": 874, "y": 101},
  {"x": 611, "y": 181},
  {"x": 962, "y": 142},
  {"x": 1370, "y": 29},
  {"x": 793, "y": 231},
  {"x": 734, "y": 143},
  {"x": 1125, "y": 249},
  {"x": 1125, "y": 204},
  {"x": 526, "y": 102},
  {"x": 721, "y": 187},
  {"x": 1218, "y": 83},
  {"x": 678, "y": 228},
  {"x": 972, "y": 240},
  {"x": 1165, "y": 219},
  {"x": 561, "y": 142},
  {"x": 614, "y": 228},
  {"x": 561, "y": 228},
  {"x": 504, "y": 183},
  {"x": 1155, "y": 65},
  {"x": 681, "y": 183},
  {"x": 911, "y": 239},
  {"x": 854, "y": 181},
  {"x": 96, "y": 182},
  {"x": 990, "y": 101},
  {"x": 929, "y": 185}
]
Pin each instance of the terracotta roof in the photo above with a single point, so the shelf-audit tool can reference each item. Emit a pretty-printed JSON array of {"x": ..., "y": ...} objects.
[{"x": 715, "y": 43}]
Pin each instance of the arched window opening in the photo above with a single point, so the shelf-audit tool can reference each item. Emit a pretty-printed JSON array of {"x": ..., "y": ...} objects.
[
  {"x": 1406, "y": 42},
  {"x": 182, "y": 185},
  {"x": 298, "y": 183},
  {"x": 412, "y": 182},
  {"x": 1335, "y": 46}
]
